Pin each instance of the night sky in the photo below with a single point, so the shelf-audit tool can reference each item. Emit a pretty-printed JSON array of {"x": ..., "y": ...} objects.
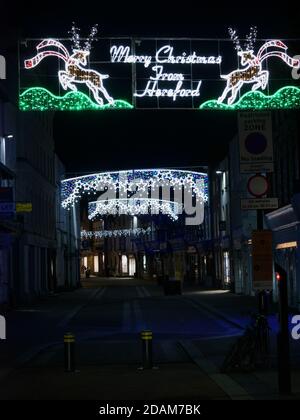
[{"x": 91, "y": 141}]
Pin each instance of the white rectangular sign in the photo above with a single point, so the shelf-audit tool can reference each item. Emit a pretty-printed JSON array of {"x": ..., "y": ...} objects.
[
  {"x": 255, "y": 140},
  {"x": 259, "y": 203},
  {"x": 255, "y": 168}
]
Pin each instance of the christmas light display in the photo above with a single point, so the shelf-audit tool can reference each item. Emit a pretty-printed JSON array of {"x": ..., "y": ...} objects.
[
  {"x": 164, "y": 55},
  {"x": 178, "y": 73},
  {"x": 40, "y": 99},
  {"x": 100, "y": 234},
  {"x": 132, "y": 207},
  {"x": 75, "y": 65},
  {"x": 141, "y": 182},
  {"x": 285, "y": 98},
  {"x": 253, "y": 72}
]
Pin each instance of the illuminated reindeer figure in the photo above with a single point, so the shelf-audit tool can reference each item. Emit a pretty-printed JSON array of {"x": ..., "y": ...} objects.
[
  {"x": 75, "y": 71},
  {"x": 253, "y": 73}
]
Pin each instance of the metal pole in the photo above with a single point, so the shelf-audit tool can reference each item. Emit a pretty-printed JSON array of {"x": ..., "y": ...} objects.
[
  {"x": 69, "y": 344},
  {"x": 261, "y": 294},
  {"x": 283, "y": 344},
  {"x": 212, "y": 224}
]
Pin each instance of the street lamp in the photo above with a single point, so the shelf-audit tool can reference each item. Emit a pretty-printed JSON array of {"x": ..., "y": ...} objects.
[{"x": 9, "y": 136}]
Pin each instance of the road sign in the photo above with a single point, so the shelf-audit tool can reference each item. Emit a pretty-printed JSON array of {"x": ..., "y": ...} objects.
[
  {"x": 259, "y": 203},
  {"x": 262, "y": 259},
  {"x": 24, "y": 207},
  {"x": 255, "y": 138},
  {"x": 258, "y": 185}
]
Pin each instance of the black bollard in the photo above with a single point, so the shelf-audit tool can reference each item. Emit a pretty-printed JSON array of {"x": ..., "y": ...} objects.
[
  {"x": 69, "y": 343},
  {"x": 146, "y": 337}
]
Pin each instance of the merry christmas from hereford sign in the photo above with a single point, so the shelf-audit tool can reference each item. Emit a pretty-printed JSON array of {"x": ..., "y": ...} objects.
[{"x": 68, "y": 74}]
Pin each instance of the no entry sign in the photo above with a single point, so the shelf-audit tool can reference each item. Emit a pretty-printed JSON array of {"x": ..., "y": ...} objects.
[{"x": 258, "y": 185}]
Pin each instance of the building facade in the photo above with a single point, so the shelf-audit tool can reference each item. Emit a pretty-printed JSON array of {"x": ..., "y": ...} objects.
[
  {"x": 67, "y": 261},
  {"x": 9, "y": 228},
  {"x": 239, "y": 224}
]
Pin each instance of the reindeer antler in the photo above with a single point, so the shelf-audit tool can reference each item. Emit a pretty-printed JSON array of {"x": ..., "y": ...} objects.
[
  {"x": 75, "y": 37},
  {"x": 251, "y": 38},
  {"x": 88, "y": 42},
  {"x": 235, "y": 39}
]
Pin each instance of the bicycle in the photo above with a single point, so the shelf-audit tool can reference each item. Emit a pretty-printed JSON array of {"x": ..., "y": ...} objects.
[{"x": 252, "y": 349}]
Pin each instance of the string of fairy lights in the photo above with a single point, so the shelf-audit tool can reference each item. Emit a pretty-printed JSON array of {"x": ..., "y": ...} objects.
[
  {"x": 116, "y": 233},
  {"x": 132, "y": 207}
]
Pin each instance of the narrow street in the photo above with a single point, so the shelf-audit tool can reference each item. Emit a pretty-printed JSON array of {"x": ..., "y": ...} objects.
[{"x": 191, "y": 335}]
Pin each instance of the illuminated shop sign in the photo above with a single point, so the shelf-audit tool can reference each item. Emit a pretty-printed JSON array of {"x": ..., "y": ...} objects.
[{"x": 228, "y": 74}]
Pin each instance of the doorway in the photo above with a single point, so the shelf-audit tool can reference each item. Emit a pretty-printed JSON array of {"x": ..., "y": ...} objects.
[{"x": 132, "y": 266}]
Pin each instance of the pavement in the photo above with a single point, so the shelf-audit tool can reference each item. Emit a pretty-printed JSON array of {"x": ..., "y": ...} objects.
[{"x": 192, "y": 334}]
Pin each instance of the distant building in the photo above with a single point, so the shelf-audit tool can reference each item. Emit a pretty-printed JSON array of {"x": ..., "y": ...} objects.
[
  {"x": 35, "y": 184},
  {"x": 166, "y": 249}
]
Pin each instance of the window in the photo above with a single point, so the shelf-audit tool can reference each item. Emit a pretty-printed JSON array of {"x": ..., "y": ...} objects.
[
  {"x": 226, "y": 267},
  {"x": 132, "y": 268},
  {"x": 124, "y": 263},
  {"x": 96, "y": 264}
]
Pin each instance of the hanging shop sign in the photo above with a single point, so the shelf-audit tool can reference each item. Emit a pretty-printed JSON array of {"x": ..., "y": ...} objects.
[{"x": 229, "y": 74}]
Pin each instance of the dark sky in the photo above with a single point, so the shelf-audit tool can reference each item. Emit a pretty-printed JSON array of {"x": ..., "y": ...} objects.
[{"x": 90, "y": 141}]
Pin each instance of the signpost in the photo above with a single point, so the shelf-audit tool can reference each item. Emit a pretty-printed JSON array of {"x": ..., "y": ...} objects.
[{"x": 283, "y": 345}]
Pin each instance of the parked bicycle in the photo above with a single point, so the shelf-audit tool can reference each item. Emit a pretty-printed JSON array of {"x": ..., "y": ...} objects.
[{"x": 252, "y": 349}]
